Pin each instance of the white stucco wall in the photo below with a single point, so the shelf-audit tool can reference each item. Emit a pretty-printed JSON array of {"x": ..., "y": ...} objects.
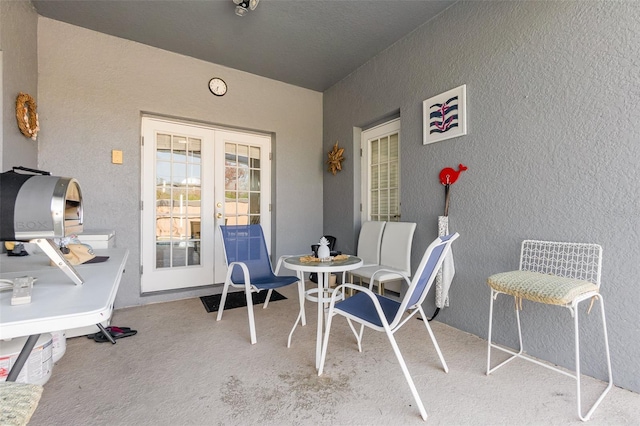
[
  {"x": 553, "y": 152},
  {"x": 18, "y": 42},
  {"x": 92, "y": 91}
]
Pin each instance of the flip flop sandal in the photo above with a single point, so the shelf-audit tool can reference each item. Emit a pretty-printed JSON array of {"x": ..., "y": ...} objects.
[
  {"x": 111, "y": 330},
  {"x": 116, "y": 333}
]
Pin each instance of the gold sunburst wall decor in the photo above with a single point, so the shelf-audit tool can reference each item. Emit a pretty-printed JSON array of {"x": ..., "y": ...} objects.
[{"x": 335, "y": 159}]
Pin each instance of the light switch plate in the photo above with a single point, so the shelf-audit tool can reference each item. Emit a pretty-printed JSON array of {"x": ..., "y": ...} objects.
[{"x": 116, "y": 156}]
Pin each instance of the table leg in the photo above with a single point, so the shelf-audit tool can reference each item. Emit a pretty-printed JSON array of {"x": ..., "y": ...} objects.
[
  {"x": 321, "y": 286},
  {"x": 106, "y": 334},
  {"x": 22, "y": 358}
]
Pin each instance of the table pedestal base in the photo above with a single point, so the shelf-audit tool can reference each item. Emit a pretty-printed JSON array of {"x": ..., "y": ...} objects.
[{"x": 311, "y": 295}]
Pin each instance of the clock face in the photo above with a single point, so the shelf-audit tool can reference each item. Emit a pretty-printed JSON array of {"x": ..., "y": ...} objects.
[{"x": 217, "y": 86}]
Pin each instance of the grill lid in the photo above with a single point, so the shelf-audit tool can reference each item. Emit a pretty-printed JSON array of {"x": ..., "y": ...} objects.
[{"x": 38, "y": 205}]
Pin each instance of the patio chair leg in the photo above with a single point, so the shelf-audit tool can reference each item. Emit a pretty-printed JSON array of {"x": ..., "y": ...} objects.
[
  {"x": 355, "y": 333},
  {"x": 608, "y": 359},
  {"x": 407, "y": 376},
  {"x": 223, "y": 299},
  {"x": 577, "y": 376},
  {"x": 490, "y": 345},
  {"x": 252, "y": 324},
  {"x": 489, "y": 335},
  {"x": 266, "y": 300},
  {"x": 433, "y": 340}
]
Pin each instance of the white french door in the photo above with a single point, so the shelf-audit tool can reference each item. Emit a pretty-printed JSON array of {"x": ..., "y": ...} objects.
[
  {"x": 381, "y": 172},
  {"x": 193, "y": 179}
]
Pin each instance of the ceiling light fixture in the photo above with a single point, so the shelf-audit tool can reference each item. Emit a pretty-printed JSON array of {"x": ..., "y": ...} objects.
[{"x": 244, "y": 6}]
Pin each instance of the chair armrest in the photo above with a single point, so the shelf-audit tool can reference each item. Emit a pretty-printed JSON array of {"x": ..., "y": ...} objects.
[
  {"x": 282, "y": 258},
  {"x": 391, "y": 271},
  {"x": 245, "y": 271}
]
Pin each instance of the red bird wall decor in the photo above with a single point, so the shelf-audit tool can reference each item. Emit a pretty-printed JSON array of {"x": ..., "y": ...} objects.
[{"x": 448, "y": 176}]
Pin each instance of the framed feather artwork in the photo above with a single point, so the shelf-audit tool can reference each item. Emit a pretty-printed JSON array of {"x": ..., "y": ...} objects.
[{"x": 445, "y": 116}]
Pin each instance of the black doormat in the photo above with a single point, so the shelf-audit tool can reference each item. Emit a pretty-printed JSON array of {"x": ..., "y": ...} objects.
[{"x": 237, "y": 300}]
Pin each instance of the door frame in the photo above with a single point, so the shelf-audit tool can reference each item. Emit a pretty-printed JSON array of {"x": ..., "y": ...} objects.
[
  {"x": 213, "y": 154},
  {"x": 378, "y": 131}
]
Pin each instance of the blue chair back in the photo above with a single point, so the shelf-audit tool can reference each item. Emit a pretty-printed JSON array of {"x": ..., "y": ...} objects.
[
  {"x": 245, "y": 243},
  {"x": 428, "y": 268}
]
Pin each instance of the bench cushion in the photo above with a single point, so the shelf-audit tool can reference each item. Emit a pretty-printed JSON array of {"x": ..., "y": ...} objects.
[
  {"x": 538, "y": 287},
  {"x": 18, "y": 401}
]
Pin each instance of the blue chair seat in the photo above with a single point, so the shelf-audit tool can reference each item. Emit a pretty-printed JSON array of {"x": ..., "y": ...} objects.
[
  {"x": 361, "y": 305},
  {"x": 276, "y": 281}
]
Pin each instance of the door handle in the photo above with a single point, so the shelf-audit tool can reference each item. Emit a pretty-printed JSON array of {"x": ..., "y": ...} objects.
[{"x": 219, "y": 216}]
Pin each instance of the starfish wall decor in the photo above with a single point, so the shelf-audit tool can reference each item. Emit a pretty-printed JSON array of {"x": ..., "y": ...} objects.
[{"x": 335, "y": 159}]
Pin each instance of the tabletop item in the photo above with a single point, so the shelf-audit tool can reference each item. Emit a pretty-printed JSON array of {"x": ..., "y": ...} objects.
[
  {"x": 309, "y": 258},
  {"x": 22, "y": 287},
  {"x": 323, "y": 251},
  {"x": 313, "y": 277}
]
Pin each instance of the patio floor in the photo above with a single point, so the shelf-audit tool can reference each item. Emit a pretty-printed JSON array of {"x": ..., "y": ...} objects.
[{"x": 184, "y": 368}]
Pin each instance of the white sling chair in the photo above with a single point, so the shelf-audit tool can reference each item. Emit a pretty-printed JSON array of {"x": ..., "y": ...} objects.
[
  {"x": 249, "y": 268},
  {"x": 395, "y": 255},
  {"x": 381, "y": 313}
]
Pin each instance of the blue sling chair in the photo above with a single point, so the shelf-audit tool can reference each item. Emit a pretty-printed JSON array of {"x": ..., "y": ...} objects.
[
  {"x": 387, "y": 315},
  {"x": 249, "y": 268}
]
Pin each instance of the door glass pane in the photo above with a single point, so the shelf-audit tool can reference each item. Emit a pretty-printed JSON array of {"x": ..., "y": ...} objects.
[
  {"x": 393, "y": 146},
  {"x": 178, "y": 200},
  {"x": 384, "y": 150},
  {"x": 255, "y": 157},
  {"x": 374, "y": 177},
  {"x": 163, "y": 145},
  {"x": 384, "y": 202},
  {"x": 393, "y": 202},
  {"x": 255, "y": 180},
  {"x": 384, "y": 176},
  {"x": 242, "y": 184},
  {"x": 374, "y": 203}
]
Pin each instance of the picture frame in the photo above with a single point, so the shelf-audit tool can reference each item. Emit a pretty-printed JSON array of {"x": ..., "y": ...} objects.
[{"x": 444, "y": 116}]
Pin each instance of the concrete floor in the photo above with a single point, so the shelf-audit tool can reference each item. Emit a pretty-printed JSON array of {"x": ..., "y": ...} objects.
[{"x": 184, "y": 368}]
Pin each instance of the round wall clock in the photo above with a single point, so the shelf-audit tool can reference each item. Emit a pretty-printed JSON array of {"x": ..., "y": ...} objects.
[{"x": 217, "y": 86}]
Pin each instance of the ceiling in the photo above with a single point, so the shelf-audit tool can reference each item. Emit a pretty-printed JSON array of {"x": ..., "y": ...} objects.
[{"x": 308, "y": 43}]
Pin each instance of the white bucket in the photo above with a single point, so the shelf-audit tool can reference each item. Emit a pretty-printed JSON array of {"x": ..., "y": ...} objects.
[
  {"x": 59, "y": 344},
  {"x": 37, "y": 369}
]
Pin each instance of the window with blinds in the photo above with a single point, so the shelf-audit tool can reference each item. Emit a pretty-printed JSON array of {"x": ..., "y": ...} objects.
[{"x": 381, "y": 169}]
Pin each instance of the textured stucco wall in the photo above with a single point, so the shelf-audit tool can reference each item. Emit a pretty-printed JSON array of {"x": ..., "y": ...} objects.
[
  {"x": 18, "y": 42},
  {"x": 553, "y": 152},
  {"x": 93, "y": 88}
]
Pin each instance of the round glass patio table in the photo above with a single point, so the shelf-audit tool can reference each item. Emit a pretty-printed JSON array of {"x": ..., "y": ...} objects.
[{"x": 323, "y": 292}]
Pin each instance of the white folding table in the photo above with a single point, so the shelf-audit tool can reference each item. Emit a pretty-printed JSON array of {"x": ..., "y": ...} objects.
[{"x": 56, "y": 302}]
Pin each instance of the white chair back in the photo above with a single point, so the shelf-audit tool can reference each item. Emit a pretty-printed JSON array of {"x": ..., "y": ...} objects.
[
  {"x": 396, "y": 246},
  {"x": 369, "y": 242}
]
